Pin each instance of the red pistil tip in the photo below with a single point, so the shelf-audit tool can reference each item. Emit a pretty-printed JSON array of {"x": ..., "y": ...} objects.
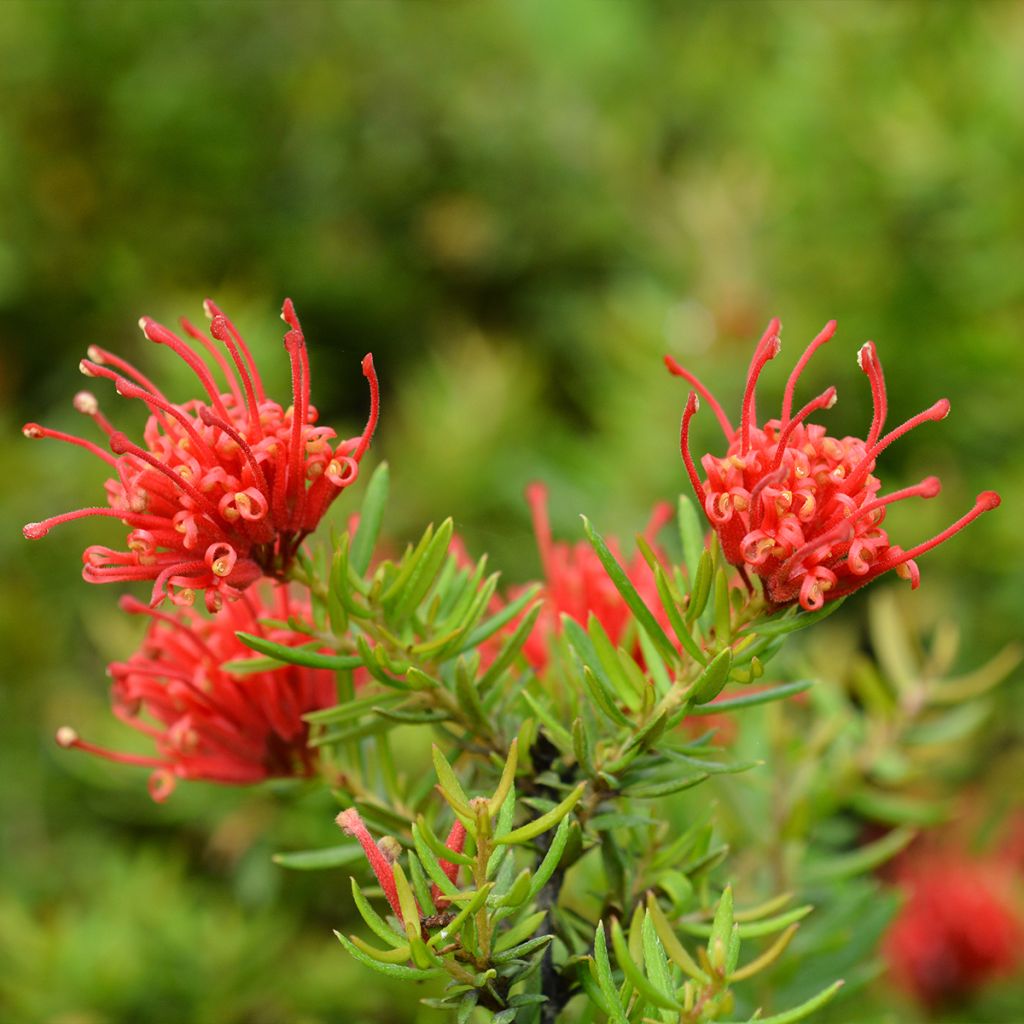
[
  {"x": 32, "y": 430},
  {"x": 988, "y": 500},
  {"x": 33, "y": 531},
  {"x": 536, "y": 492},
  {"x": 930, "y": 486},
  {"x": 288, "y": 314},
  {"x": 692, "y": 404},
  {"x": 66, "y": 737},
  {"x": 85, "y": 369},
  {"x": 119, "y": 443},
  {"x": 940, "y": 410}
]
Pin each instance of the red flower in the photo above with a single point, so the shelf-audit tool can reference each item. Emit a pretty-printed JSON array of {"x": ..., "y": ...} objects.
[
  {"x": 208, "y": 723},
  {"x": 224, "y": 488},
  {"x": 957, "y": 929},
  {"x": 382, "y": 856},
  {"x": 799, "y": 508},
  {"x": 576, "y": 584}
]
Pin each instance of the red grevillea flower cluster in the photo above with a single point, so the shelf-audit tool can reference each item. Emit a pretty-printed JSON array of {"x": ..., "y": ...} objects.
[
  {"x": 797, "y": 507},
  {"x": 205, "y": 722},
  {"x": 957, "y": 930},
  {"x": 223, "y": 489},
  {"x": 576, "y": 584},
  {"x": 383, "y": 854}
]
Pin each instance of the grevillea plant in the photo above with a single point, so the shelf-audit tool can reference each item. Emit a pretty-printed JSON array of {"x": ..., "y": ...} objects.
[{"x": 553, "y": 796}]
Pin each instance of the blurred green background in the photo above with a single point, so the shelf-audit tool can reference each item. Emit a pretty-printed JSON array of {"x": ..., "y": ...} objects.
[{"x": 518, "y": 207}]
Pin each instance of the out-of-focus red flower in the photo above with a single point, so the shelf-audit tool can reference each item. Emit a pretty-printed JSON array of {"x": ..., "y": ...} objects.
[
  {"x": 576, "y": 584},
  {"x": 958, "y": 929},
  {"x": 207, "y": 723},
  {"x": 383, "y": 854},
  {"x": 223, "y": 489},
  {"x": 801, "y": 509}
]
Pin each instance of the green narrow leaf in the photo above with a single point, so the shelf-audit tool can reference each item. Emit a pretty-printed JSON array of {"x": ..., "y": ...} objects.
[
  {"x": 712, "y": 680},
  {"x": 581, "y": 747},
  {"x": 375, "y": 922},
  {"x": 547, "y": 866},
  {"x": 510, "y": 649},
  {"x": 654, "y": 790},
  {"x": 469, "y": 698},
  {"x": 318, "y": 860},
  {"x": 406, "y": 903},
  {"x": 534, "y": 828},
  {"x": 433, "y": 842},
  {"x": 343, "y": 581},
  {"x": 425, "y": 572},
  {"x": 675, "y": 619},
  {"x": 647, "y": 990},
  {"x": 500, "y": 619},
  {"x": 524, "y": 949},
  {"x": 604, "y": 976},
  {"x": 629, "y": 594},
  {"x": 749, "y": 700},
  {"x": 418, "y": 880},
  {"x": 721, "y": 927},
  {"x": 793, "y": 619},
  {"x": 861, "y": 860},
  {"x": 556, "y": 730},
  {"x": 802, "y": 1011},
  {"x": 896, "y": 808},
  {"x": 722, "y": 611},
  {"x": 407, "y": 567},
  {"x": 370, "y": 518},
  {"x": 700, "y": 591},
  {"x": 450, "y": 785},
  {"x": 399, "y": 955},
  {"x": 609, "y": 660},
  {"x": 391, "y": 970},
  {"x": 673, "y": 947},
  {"x": 508, "y": 774},
  {"x": 767, "y": 958},
  {"x": 692, "y": 528},
  {"x": 654, "y": 957},
  {"x": 520, "y": 932},
  {"x": 750, "y": 929},
  {"x": 429, "y": 860},
  {"x": 298, "y": 655},
  {"x": 476, "y": 901},
  {"x": 603, "y": 698},
  {"x": 415, "y": 716},
  {"x": 587, "y": 977},
  {"x": 353, "y": 709}
]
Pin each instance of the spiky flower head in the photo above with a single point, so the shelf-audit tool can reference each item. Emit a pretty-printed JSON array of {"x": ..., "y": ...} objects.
[
  {"x": 801, "y": 509},
  {"x": 223, "y": 489},
  {"x": 208, "y": 723}
]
